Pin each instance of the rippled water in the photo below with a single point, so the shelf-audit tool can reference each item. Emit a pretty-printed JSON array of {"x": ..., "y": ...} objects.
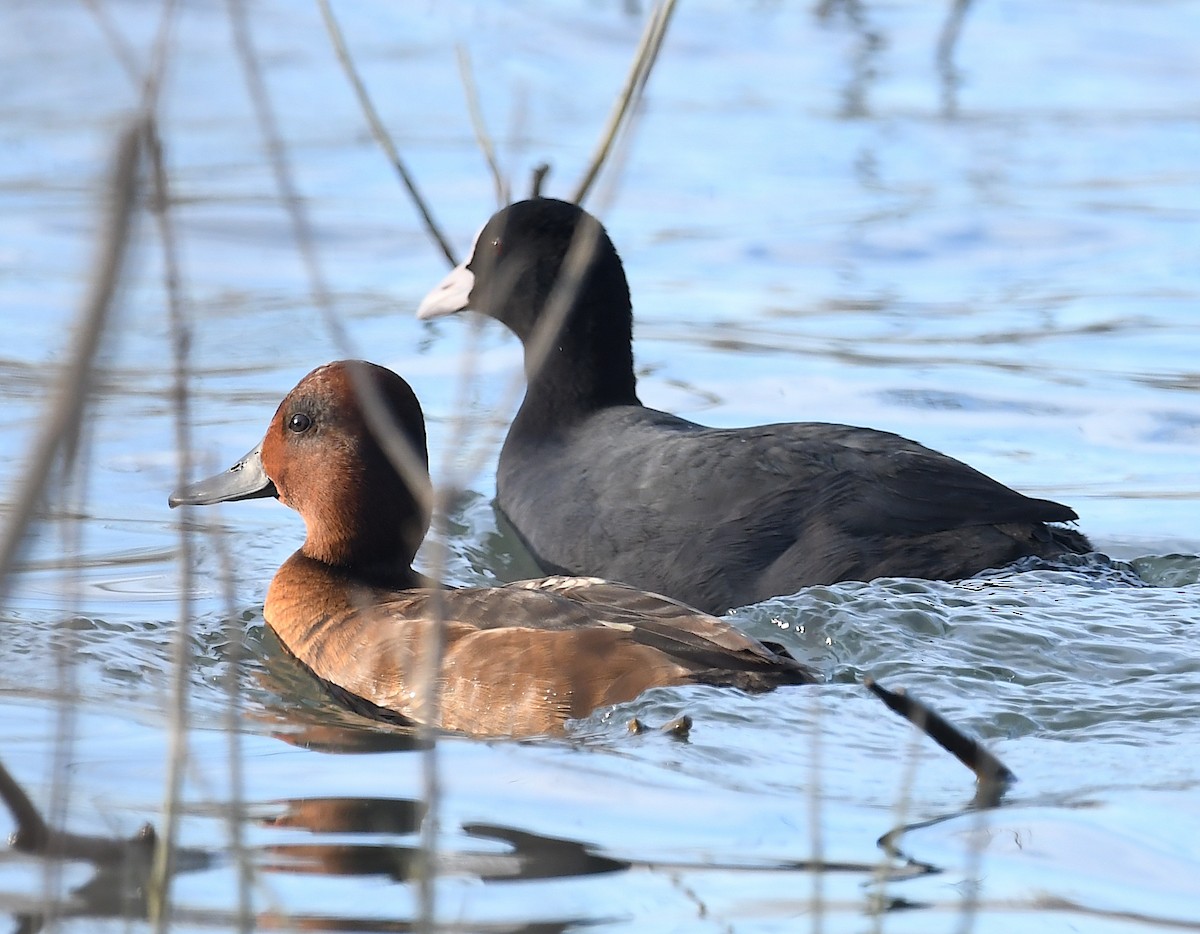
[{"x": 992, "y": 252}]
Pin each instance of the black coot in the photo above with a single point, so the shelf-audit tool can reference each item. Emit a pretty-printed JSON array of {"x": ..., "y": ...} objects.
[{"x": 598, "y": 484}]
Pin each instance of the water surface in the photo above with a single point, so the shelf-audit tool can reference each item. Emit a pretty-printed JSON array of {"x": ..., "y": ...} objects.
[{"x": 993, "y": 253}]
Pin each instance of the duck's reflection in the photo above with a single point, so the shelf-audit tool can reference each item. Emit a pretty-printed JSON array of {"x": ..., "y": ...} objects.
[
  {"x": 524, "y": 855},
  {"x": 342, "y": 837},
  {"x": 371, "y": 926}
]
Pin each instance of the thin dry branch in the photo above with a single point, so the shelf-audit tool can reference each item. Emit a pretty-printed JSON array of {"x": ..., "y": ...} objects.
[
  {"x": 117, "y": 42},
  {"x": 164, "y": 853},
  {"x": 285, "y": 183},
  {"x": 163, "y": 869},
  {"x": 63, "y": 418},
  {"x": 947, "y": 42},
  {"x": 182, "y": 653},
  {"x": 160, "y": 202},
  {"x": 379, "y": 131},
  {"x": 951, "y": 30},
  {"x": 540, "y": 172},
  {"x": 405, "y": 460},
  {"x": 482, "y": 137},
  {"x": 235, "y": 640},
  {"x": 635, "y": 83},
  {"x": 816, "y": 813}
]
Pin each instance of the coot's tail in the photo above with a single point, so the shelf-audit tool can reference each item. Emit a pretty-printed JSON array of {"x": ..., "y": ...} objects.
[{"x": 1069, "y": 540}]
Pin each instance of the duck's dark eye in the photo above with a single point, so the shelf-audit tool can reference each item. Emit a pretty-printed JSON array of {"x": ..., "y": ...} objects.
[{"x": 299, "y": 423}]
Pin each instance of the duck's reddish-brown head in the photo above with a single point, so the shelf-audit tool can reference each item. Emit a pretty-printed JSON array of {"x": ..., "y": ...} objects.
[{"x": 346, "y": 449}]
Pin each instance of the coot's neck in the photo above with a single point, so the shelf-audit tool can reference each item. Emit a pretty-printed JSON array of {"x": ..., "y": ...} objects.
[{"x": 589, "y": 366}]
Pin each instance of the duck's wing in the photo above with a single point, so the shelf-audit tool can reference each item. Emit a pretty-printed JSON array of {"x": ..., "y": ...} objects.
[
  {"x": 697, "y": 639},
  {"x": 614, "y": 598}
]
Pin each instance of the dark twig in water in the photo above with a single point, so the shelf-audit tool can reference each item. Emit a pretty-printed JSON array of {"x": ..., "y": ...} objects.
[
  {"x": 32, "y": 832},
  {"x": 379, "y": 131},
  {"x": 635, "y": 83},
  {"x": 992, "y": 774},
  {"x": 880, "y": 900},
  {"x": 121, "y": 887},
  {"x": 34, "y": 835},
  {"x": 482, "y": 137}
]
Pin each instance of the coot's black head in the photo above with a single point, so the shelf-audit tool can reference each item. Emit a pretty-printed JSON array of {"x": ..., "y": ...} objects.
[
  {"x": 548, "y": 271},
  {"x": 530, "y": 257}
]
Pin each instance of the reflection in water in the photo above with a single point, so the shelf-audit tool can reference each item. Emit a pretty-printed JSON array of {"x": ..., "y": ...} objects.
[
  {"x": 524, "y": 856},
  {"x": 949, "y": 72},
  {"x": 122, "y": 886},
  {"x": 386, "y": 832},
  {"x": 864, "y": 62},
  {"x": 528, "y": 855},
  {"x": 292, "y": 923}
]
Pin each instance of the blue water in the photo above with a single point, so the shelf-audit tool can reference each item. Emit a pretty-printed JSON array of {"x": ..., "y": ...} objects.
[{"x": 994, "y": 254}]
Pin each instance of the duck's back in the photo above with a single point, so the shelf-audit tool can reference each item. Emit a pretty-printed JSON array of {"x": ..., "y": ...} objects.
[{"x": 725, "y": 517}]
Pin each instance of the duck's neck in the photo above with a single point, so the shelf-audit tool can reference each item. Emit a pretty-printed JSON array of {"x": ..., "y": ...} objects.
[
  {"x": 372, "y": 537},
  {"x": 588, "y": 367},
  {"x": 338, "y": 583}
]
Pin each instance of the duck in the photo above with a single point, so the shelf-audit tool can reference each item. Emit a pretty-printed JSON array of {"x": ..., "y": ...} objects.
[
  {"x": 596, "y": 483},
  {"x": 347, "y": 450}
]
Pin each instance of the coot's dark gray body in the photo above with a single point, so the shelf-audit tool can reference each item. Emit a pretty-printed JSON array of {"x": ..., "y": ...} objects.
[{"x": 597, "y": 484}]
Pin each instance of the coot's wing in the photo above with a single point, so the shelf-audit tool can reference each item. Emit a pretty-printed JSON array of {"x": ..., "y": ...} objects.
[{"x": 866, "y": 482}]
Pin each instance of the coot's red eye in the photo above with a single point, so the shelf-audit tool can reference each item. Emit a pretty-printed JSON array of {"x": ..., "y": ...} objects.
[{"x": 496, "y": 246}]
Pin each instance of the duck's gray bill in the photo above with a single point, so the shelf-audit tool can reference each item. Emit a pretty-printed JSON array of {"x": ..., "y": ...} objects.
[{"x": 244, "y": 480}]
